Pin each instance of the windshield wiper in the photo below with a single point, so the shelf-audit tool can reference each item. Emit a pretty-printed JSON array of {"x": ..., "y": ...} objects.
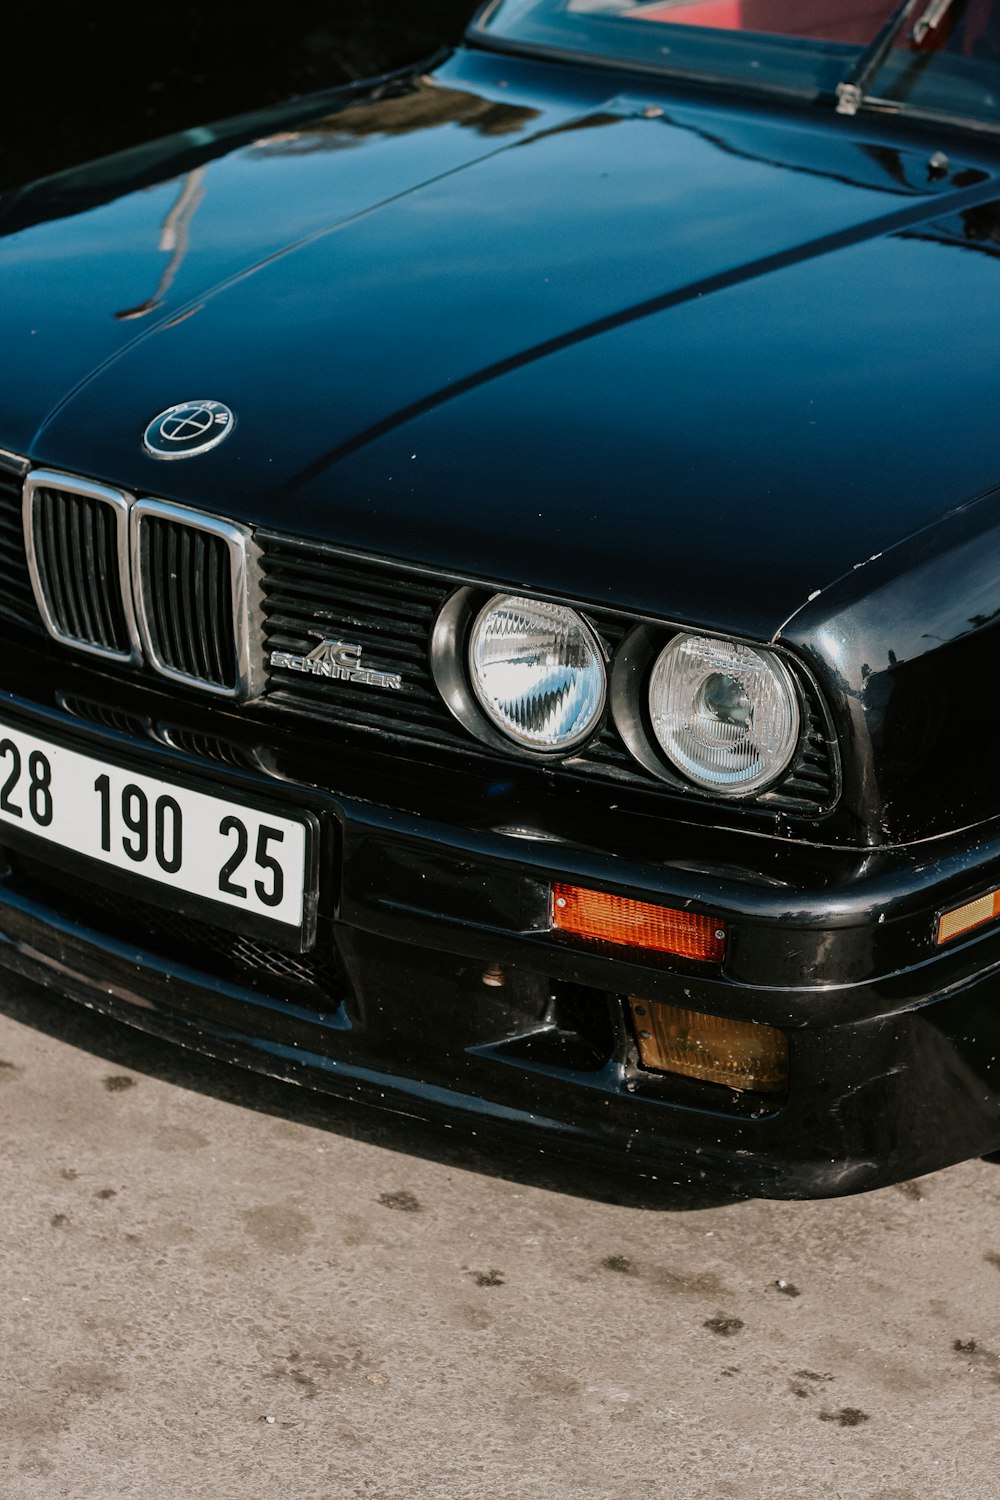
[
  {"x": 930, "y": 20},
  {"x": 852, "y": 89}
]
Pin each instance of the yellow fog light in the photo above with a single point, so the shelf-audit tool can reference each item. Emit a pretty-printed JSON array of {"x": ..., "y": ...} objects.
[{"x": 742, "y": 1055}]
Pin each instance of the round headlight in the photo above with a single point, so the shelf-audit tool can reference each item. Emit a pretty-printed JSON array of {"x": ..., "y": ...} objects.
[
  {"x": 538, "y": 672},
  {"x": 726, "y": 715}
]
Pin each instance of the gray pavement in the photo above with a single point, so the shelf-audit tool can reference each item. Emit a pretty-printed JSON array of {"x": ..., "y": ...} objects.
[{"x": 216, "y": 1286}]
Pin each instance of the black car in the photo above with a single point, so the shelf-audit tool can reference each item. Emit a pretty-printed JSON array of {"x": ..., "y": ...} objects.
[{"x": 501, "y": 586}]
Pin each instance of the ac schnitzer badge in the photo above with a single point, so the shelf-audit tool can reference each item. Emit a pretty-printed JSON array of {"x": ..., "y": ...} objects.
[
  {"x": 336, "y": 659},
  {"x": 188, "y": 428}
]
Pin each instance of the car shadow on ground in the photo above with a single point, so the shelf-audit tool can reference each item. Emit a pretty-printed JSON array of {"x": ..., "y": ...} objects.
[{"x": 492, "y": 1154}]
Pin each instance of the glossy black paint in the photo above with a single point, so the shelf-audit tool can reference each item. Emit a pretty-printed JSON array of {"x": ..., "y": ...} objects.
[
  {"x": 420, "y": 295},
  {"x": 720, "y": 363}
]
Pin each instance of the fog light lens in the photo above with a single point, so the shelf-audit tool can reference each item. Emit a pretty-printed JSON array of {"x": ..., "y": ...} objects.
[
  {"x": 742, "y": 1055},
  {"x": 637, "y": 924}
]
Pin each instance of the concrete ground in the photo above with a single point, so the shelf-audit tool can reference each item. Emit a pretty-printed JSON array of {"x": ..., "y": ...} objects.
[{"x": 215, "y": 1286}]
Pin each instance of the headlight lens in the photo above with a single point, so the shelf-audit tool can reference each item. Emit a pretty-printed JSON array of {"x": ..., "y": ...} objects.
[
  {"x": 538, "y": 671},
  {"x": 726, "y": 715}
]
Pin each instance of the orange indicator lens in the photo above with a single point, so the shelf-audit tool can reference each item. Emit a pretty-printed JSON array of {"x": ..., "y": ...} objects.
[
  {"x": 637, "y": 924},
  {"x": 741, "y": 1055},
  {"x": 964, "y": 918}
]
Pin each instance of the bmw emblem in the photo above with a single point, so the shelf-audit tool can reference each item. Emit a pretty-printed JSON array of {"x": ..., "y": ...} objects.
[{"x": 188, "y": 428}]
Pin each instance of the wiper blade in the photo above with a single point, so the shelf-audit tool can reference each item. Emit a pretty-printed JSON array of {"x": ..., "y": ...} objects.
[{"x": 852, "y": 89}]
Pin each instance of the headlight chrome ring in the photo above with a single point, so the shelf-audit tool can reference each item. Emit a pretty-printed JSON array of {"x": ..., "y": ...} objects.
[
  {"x": 725, "y": 714},
  {"x": 522, "y": 674}
]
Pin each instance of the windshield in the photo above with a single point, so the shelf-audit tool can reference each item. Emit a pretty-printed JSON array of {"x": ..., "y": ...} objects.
[{"x": 941, "y": 56}]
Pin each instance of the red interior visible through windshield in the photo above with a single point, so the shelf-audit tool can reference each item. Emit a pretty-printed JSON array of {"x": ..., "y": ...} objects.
[{"x": 853, "y": 21}]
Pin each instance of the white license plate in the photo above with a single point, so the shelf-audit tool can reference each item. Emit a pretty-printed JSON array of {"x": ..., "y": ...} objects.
[{"x": 190, "y": 841}]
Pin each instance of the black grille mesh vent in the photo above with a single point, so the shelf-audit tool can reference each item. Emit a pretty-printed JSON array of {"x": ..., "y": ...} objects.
[
  {"x": 311, "y": 594},
  {"x": 17, "y": 602},
  {"x": 390, "y": 613},
  {"x": 76, "y": 556},
  {"x": 208, "y": 746},
  {"x": 188, "y": 596},
  {"x": 314, "y": 980},
  {"x": 106, "y": 714}
]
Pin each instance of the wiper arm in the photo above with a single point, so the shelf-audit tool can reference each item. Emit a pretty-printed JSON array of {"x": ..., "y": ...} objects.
[
  {"x": 852, "y": 89},
  {"x": 930, "y": 20}
]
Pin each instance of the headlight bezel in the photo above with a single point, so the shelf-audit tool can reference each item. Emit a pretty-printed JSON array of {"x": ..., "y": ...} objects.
[
  {"x": 451, "y": 670},
  {"x": 773, "y": 691},
  {"x": 629, "y": 699}
]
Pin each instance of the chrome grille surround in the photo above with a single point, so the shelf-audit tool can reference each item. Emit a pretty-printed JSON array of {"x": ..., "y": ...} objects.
[
  {"x": 77, "y": 550},
  {"x": 136, "y": 581},
  {"x": 196, "y": 583}
]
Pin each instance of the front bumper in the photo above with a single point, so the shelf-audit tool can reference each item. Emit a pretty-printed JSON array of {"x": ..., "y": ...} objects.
[{"x": 436, "y": 985}]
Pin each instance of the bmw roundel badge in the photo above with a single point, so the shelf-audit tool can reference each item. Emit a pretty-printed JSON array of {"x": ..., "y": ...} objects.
[{"x": 188, "y": 428}]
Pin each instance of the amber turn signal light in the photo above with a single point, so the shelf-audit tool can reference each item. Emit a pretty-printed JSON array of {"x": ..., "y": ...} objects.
[
  {"x": 964, "y": 918},
  {"x": 637, "y": 924},
  {"x": 742, "y": 1055}
]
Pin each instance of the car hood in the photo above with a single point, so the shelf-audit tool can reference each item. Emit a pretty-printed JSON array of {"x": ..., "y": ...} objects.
[{"x": 639, "y": 351}]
